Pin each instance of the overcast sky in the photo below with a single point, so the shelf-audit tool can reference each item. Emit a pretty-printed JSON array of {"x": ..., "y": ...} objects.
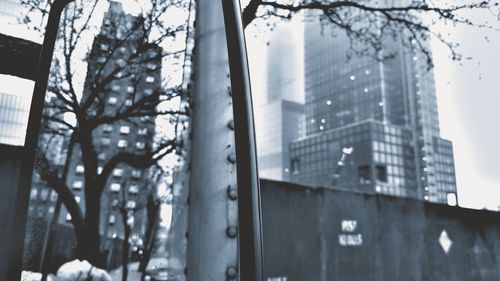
[{"x": 468, "y": 96}]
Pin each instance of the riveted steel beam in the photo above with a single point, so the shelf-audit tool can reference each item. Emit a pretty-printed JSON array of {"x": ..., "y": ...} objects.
[{"x": 224, "y": 210}]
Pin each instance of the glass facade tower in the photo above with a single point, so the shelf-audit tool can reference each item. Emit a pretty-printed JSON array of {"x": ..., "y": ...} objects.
[
  {"x": 385, "y": 109},
  {"x": 280, "y": 120}
]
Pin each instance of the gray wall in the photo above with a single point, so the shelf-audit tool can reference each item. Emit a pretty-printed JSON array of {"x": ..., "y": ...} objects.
[{"x": 393, "y": 239}]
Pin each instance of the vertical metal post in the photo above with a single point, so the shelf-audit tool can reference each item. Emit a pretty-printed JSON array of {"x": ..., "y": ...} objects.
[
  {"x": 250, "y": 234},
  {"x": 211, "y": 254},
  {"x": 224, "y": 240},
  {"x": 35, "y": 117}
]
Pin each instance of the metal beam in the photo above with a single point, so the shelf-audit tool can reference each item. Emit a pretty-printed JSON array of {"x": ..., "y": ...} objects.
[
  {"x": 211, "y": 253},
  {"x": 19, "y": 57},
  {"x": 223, "y": 179},
  {"x": 35, "y": 117},
  {"x": 249, "y": 220}
]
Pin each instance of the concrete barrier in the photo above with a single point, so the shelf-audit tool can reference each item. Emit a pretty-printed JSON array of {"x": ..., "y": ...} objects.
[{"x": 321, "y": 234}]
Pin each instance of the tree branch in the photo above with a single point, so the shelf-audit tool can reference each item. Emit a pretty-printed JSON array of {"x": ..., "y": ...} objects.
[
  {"x": 140, "y": 161},
  {"x": 50, "y": 175}
]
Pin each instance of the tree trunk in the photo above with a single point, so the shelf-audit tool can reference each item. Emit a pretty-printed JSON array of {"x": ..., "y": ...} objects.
[
  {"x": 92, "y": 218},
  {"x": 125, "y": 249},
  {"x": 152, "y": 214}
]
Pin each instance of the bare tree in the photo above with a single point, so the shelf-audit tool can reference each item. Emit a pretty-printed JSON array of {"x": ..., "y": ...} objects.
[
  {"x": 127, "y": 52},
  {"x": 368, "y": 23}
]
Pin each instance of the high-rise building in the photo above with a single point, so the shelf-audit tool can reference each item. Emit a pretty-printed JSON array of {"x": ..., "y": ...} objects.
[
  {"x": 112, "y": 48},
  {"x": 386, "y": 110},
  {"x": 277, "y": 125},
  {"x": 280, "y": 120},
  {"x": 14, "y": 112},
  {"x": 283, "y": 67}
]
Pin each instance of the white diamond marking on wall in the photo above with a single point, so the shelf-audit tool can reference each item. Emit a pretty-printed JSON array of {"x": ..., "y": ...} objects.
[{"x": 445, "y": 241}]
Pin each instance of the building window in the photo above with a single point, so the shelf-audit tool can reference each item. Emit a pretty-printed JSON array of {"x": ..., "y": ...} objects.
[
  {"x": 77, "y": 184},
  {"x": 101, "y": 156},
  {"x": 112, "y": 100},
  {"x": 112, "y": 219},
  {"x": 104, "y": 47},
  {"x": 68, "y": 217},
  {"x": 124, "y": 130},
  {"x": 142, "y": 131},
  {"x": 131, "y": 204},
  {"x": 451, "y": 199},
  {"x": 99, "y": 169},
  {"x": 381, "y": 173},
  {"x": 122, "y": 143},
  {"x": 148, "y": 91},
  {"x": 131, "y": 220},
  {"x": 115, "y": 87},
  {"x": 44, "y": 194},
  {"x": 140, "y": 145},
  {"x": 117, "y": 172},
  {"x": 150, "y": 79},
  {"x": 77, "y": 199},
  {"x": 79, "y": 169},
  {"x": 128, "y": 102},
  {"x": 115, "y": 187},
  {"x": 364, "y": 174},
  {"x": 134, "y": 189},
  {"x": 34, "y": 193},
  {"x": 53, "y": 196},
  {"x": 295, "y": 166},
  {"x": 136, "y": 174},
  {"x": 107, "y": 128},
  {"x": 130, "y": 89}
]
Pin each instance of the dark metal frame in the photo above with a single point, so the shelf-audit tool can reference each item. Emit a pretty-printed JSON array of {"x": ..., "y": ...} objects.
[
  {"x": 249, "y": 210},
  {"x": 31, "y": 141}
]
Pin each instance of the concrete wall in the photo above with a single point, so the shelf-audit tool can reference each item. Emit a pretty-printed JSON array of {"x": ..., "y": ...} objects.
[{"x": 319, "y": 234}]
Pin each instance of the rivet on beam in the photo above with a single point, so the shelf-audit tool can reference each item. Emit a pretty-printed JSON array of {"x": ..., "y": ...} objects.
[
  {"x": 232, "y": 231},
  {"x": 231, "y": 273},
  {"x": 230, "y": 125},
  {"x": 232, "y": 158},
  {"x": 232, "y": 193}
]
